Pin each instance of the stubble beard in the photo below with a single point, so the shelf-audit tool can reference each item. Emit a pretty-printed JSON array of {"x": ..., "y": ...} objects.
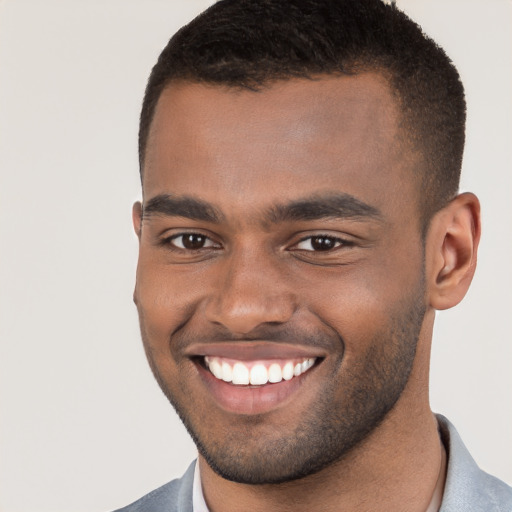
[{"x": 332, "y": 427}]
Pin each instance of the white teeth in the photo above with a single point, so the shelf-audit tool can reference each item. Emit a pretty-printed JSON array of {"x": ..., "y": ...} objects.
[
  {"x": 216, "y": 368},
  {"x": 288, "y": 371},
  {"x": 307, "y": 364},
  {"x": 242, "y": 374},
  {"x": 259, "y": 375},
  {"x": 275, "y": 374},
  {"x": 227, "y": 372}
]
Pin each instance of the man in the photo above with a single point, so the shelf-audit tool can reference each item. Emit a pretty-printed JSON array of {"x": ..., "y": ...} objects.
[{"x": 300, "y": 226}]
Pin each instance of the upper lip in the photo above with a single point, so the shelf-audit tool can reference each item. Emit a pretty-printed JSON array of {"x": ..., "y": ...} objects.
[{"x": 253, "y": 350}]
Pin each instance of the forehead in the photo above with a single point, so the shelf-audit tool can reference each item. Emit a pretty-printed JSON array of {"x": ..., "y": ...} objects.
[{"x": 294, "y": 137}]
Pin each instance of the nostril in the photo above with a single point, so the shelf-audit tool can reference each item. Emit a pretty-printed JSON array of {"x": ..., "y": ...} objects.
[{"x": 242, "y": 316}]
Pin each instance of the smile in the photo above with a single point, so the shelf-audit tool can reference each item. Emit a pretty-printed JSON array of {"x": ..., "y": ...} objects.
[
  {"x": 257, "y": 373},
  {"x": 257, "y": 377}
]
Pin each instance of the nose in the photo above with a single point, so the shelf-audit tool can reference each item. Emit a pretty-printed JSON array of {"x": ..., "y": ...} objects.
[{"x": 251, "y": 290}]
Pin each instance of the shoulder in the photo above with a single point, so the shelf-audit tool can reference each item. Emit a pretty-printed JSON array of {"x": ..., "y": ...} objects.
[
  {"x": 174, "y": 496},
  {"x": 467, "y": 487}
]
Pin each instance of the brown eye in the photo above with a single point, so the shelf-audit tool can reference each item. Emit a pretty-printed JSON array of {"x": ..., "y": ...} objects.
[
  {"x": 322, "y": 243},
  {"x": 319, "y": 243},
  {"x": 191, "y": 241}
]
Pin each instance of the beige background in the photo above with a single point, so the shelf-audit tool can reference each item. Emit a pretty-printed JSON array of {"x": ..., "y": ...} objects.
[{"x": 83, "y": 425}]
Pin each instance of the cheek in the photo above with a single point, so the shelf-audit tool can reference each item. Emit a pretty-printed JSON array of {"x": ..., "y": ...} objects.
[
  {"x": 161, "y": 300},
  {"x": 162, "y": 310},
  {"x": 359, "y": 303}
]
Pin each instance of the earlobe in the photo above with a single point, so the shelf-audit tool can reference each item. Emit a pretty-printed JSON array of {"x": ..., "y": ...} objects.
[
  {"x": 451, "y": 250},
  {"x": 137, "y": 218}
]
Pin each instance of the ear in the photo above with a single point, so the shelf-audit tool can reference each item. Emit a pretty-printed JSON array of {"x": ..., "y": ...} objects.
[
  {"x": 137, "y": 218},
  {"x": 451, "y": 250},
  {"x": 137, "y": 226}
]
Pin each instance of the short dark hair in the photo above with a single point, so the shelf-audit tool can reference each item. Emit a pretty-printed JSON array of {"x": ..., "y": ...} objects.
[{"x": 253, "y": 43}]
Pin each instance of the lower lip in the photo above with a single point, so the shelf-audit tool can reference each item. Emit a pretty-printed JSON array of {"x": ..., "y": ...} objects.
[{"x": 251, "y": 399}]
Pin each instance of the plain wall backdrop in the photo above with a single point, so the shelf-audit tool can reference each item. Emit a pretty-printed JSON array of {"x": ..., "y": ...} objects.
[{"x": 83, "y": 426}]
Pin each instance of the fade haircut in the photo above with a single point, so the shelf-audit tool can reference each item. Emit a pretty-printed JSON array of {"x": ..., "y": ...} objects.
[{"x": 251, "y": 44}]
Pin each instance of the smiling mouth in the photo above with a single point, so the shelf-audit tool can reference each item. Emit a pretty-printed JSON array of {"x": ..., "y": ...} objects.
[
  {"x": 257, "y": 373},
  {"x": 256, "y": 377}
]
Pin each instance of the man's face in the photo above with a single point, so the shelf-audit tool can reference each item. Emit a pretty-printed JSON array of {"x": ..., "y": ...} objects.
[{"x": 280, "y": 243}]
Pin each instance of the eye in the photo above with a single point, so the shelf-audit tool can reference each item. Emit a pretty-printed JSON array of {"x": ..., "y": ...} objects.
[
  {"x": 321, "y": 243},
  {"x": 191, "y": 241}
]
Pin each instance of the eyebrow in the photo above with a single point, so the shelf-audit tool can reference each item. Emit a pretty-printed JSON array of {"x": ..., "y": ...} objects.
[
  {"x": 336, "y": 206},
  {"x": 184, "y": 206}
]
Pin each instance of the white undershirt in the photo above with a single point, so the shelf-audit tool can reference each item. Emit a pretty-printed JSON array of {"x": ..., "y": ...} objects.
[{"x": 198, "y": 503}]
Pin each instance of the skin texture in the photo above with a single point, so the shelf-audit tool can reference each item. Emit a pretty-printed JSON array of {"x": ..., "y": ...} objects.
[{"x": 358, "y": 429}]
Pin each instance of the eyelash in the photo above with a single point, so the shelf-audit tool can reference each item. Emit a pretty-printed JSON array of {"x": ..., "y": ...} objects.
[
  {"x": 170, "y": 241},
  {"x": 337, "y": 241}
]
